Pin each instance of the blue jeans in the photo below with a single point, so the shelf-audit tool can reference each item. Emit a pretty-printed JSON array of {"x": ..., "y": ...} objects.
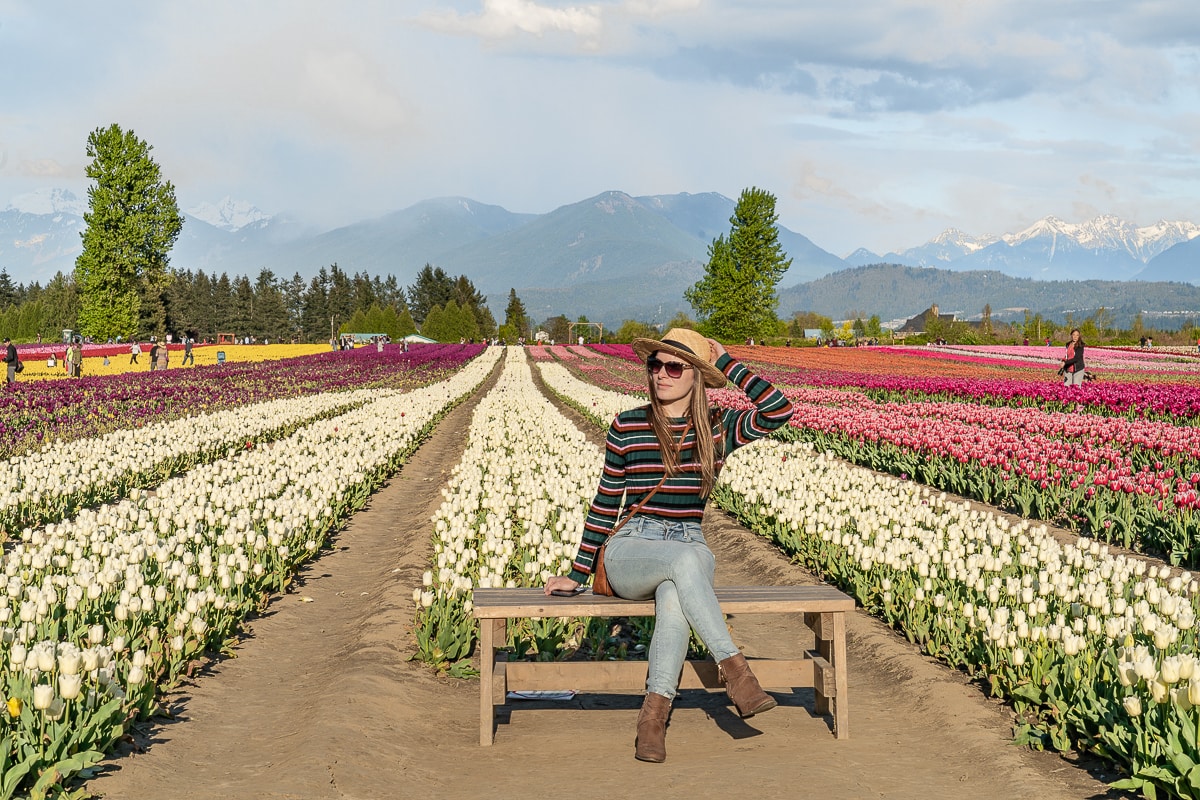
[{"x": 671, "y": 562}]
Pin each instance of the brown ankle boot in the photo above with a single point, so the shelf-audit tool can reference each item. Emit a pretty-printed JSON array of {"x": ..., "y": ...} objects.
[
  {"x": 651, "y": 744},
  {"x": 742, "y": 687}
]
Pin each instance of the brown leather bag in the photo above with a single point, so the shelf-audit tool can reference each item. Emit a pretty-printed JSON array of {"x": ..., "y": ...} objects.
[{"x": 600, "y": 583}]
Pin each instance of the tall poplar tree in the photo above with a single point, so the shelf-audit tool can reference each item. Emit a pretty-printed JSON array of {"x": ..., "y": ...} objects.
[
  {"x": 132, "y": 223},
  {"x": 736, "y": 298},
  {"x": 515, "y": 316}
]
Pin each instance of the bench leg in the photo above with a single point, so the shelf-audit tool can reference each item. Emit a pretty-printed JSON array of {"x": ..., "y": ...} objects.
[
  {"x": 841, "y": 705},
  {"x": 821, "y": 625},
  {"x": 491, "y": 631}
]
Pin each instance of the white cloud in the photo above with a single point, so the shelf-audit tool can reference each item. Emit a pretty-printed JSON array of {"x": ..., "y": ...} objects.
[
  {"x": 501, "y": 19},
  {"x": 873, "y": 123}
]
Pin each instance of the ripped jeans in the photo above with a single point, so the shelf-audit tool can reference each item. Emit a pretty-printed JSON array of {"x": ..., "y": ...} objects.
[{"x": 669, "y": 561}]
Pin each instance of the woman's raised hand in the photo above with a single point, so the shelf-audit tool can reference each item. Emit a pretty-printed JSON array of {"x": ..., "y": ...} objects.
[
  {"x": 560, "y": 583},
  {"x": 716, "y": 348}
]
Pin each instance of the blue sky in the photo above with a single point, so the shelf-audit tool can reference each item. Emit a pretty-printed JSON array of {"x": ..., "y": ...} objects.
[{"x": 878, "y": 123}]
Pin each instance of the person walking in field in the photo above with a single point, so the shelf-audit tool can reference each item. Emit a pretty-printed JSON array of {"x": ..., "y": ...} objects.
[
  {"x": 662, "y": 461},
  {"x": 162, "y": 357},
  {"x": 74, "y": 360},
  {"x": 11, "y": 360},
  {"x": 1073, "y": 360},
  {"x": 135, "y": 350},
  {"x": 188, "y": 358}
]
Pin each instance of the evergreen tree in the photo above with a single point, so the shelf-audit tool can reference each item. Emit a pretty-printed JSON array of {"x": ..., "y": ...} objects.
[
  {"x": 8, "y": 292},
  {"x": 222, "y": 305},
  {"x": 341, "y": 295},
  {"x": 180, "y": 316},
  {"x": 243, "y": 308},
  {"x": 365, "y": 295},
  {"x": 434, "y": 327},
  {"x": 433, "y": 287},
  {"x": 404, "y": 323},
  {"x": 315, "y": 316},
  {"x": 270, "y": 314},
  {"x": 203, "y": 320},
  {"x": 874, "y": 327},
  {"x": 514, "y": 314},
  {"x": 132, "y": 223},
  {"x": 736, "y": 298},
  {"x": 293, "y": 301},
  {"x": 29, "y": 321},
  {"x": 558, "y": 328},
  {"x": 463, "y": 320},
  {"x": 389, "y": 292},
  {"x": 61, "y": 306},
  {"x": 486, "y": 322}
]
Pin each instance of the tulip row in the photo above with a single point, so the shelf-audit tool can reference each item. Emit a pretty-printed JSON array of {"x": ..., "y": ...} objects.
[
  {"x": 101, "y": 612},
  {"x": 1091, "y": 486},
  {"x": 1172, "y": 402},
  {"x": 56, "y": 481},
  {"x": 599, "y": 405},
  {"x": 32, "y": 414},
  {"x": 513, "y": 514}
]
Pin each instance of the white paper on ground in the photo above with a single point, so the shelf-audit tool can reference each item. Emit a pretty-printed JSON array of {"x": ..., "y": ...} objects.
[{"x": 543, "y": 695}]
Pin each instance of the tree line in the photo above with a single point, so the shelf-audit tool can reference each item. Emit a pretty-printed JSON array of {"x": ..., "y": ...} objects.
[
  {"x": 123, "y": 285},
  {"x": 270, "y": 308}
]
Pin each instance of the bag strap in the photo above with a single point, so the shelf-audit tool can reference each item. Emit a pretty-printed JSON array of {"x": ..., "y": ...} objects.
[{"x": 646, "y": 499}]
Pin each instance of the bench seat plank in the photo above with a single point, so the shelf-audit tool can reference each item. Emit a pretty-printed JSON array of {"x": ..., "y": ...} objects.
[{"x": 533, "y": 603}]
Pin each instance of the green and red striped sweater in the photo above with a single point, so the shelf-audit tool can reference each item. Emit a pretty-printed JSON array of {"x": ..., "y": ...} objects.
[{"x": 633, "y": 461}]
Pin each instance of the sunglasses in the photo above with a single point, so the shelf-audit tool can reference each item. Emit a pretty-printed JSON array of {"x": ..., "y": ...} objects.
[{"x": 674, "y": 368}]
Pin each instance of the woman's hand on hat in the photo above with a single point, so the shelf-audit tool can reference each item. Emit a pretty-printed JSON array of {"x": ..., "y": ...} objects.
[{"x": 716, "y": 348}]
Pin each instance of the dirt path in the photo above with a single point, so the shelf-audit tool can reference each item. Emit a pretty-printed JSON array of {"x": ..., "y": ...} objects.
[{"x": 322, "y": 703}]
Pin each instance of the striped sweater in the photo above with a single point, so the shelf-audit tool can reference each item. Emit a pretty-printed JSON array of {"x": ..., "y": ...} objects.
[{"x": 633, "y": 461}]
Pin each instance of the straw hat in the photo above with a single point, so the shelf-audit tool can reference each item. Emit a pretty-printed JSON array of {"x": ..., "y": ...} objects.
[{"x": 690, "y": 347}]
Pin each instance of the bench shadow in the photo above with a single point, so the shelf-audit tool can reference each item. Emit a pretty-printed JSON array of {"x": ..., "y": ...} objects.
[{"x": 715, "y": 705}]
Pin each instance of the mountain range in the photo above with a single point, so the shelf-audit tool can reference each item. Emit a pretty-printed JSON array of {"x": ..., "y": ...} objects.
[{"x": 613, "y": 256}]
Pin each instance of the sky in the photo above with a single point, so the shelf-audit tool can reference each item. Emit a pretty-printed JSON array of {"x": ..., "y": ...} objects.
[{"x": 877, "y": 124}]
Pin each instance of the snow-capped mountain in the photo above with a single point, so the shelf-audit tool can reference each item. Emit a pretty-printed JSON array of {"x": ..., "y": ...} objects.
[
  {"x": 1107, "y": 248},
  {"x": 229, "y": 214},
  {"x": 1108, "y": 232},
  {"x": 48, "y": 202}
]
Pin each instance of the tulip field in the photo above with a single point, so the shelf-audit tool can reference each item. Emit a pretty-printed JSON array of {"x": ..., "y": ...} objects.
[
  {"x": 112, "y": 591},
  {"x": 146, "y": 515}
]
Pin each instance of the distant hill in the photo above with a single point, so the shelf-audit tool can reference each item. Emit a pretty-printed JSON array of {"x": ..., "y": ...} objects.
[
  {"x": 896, "y": 291},
  {"x": 1179, "y": 263},
  {"x": 616, "y": 257},
  {"x": 611, "y": 256}
]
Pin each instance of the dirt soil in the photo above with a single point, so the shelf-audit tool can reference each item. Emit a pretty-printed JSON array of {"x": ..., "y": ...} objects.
[{"x": 322, "y": 701}]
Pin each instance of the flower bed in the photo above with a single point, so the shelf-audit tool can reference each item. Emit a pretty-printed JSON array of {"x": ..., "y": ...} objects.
[
  {"x": 104, "y": 611},
  {"x": 36, "y": 413},
  {"x": 1093, "y": 650},
  {"x": 512, "y": 516}
]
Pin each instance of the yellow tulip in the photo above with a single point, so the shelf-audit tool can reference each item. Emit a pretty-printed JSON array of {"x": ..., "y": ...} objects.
[{"x": 14, "y": 707}]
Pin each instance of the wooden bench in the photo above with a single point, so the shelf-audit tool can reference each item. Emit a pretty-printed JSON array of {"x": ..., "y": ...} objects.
[{"x": 823, "y": 669}]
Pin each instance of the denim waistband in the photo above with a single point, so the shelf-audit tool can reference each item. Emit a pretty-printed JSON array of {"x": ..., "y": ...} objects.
[{"x": 647, "y": 527}]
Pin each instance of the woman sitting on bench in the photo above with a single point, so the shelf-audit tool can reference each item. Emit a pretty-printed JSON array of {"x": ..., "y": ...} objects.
[{"x": 661, "y": 552}]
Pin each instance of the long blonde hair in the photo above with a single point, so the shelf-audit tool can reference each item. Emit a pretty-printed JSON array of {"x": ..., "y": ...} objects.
[{"x": 702, "y": 422}]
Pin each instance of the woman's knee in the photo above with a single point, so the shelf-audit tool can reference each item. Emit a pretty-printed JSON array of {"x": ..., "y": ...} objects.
[{"x": 695, "y": 563}]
